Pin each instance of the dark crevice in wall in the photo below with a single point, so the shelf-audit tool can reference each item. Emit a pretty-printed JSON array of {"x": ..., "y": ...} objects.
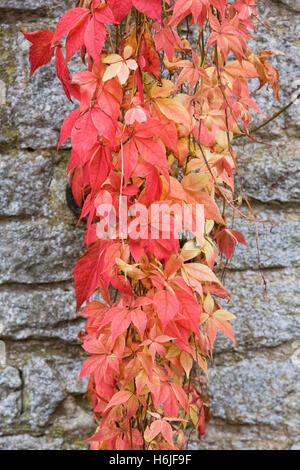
[
  {"x": 286, "y": 6},
  {"x": 255, "y": 268},
  {"x": 11, "y": 16},
  {"x": 279, "y": 352},
  {"x": 33, "y": 286},
  {"x": 44, "y": 336},
  {"x": 275, "y": 204},
  {"x": 34, "y": 346},
  {"x": 22, "y": 391}
]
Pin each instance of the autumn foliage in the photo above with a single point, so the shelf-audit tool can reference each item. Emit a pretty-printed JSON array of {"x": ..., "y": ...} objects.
[{"x": 162, "y": 93}]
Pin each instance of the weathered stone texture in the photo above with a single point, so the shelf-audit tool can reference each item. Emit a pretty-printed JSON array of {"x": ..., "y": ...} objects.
[
  {"x": 279, "y": 237},
  {"x": 283, "y": 35},
  {"x": 36, "y": 252},
  {"x": 265, "y": 392},
  {"x": 27, "y": 313},
  {"x": 24, "y": 173},
  {"x": 255, "y": 386},
  {"x": 262, "y": 323},
  {"x": 10, "y": 394},
  {"x": 276, "y": 170},
  {"x": 54, "y": 8},
  {"x": 28, "y": 442}
]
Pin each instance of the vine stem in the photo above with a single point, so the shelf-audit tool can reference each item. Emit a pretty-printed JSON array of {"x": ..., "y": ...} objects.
[
  {"x": 255, "y": 220},
  {"x": 274, "y": 116},
  {"x": 219, "y": 187}
]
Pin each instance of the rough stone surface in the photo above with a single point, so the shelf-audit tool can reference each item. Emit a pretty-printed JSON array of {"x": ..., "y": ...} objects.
[
  {"x": 224, "y": 436},
  {"x": 27, "y": 314},
  {"x": 28, "y": 442},
  {"x": 42, "y": 392},
  {"x": 265, "y": 392},
  {"x": 43, "y": 8},
  {"x": 279, "y": 238},
  {"x": 10, "y": 395},
  {"x": 262, "y": 323},
  {"x": 254, "y": 387},
  {"x": 25, "y": 182},
  {"x": 36, "y": 252},
  {"x": 276, "y": 170},
  {"x": 283, "y": 22},
  {"x": 46, "y": 106}
]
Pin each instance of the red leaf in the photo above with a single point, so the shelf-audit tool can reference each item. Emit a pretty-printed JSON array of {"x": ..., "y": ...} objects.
[
  {"x": 87, "y": 273},
  {"x": 103, "y": 123},
  {"x": 84, "y": 133},
  {"x": 120, "y": 322},
  {"x": 119, "y": 398},
  {"x": 166, "y": 305},
  {"x": 139, "y": 319},
  {"x": 67, "y": 126},
  {"x": 99, "y": 167},
  {"x": 120, "y": 9},
  {"x": 182, "y": 8},
  {"x": 166, "y": 39},
  {"x": 151, "y": 9},
  {"x": 159, "y": 426},
  {"x": 75, "y": 38},
  {"x": 227, "y": 240},
  {"x": 90, "y": 365},
  {"x": 41, "y": 51},
  {"x": 94, "y": 38},
  {"x": 63, "y": 73},
  {"x": 180, "y": 395},
  {"x": 127, "y": 159},
  {"x": 152, "y": 152},
  {"x": 153, "y": 186},
  {"x": 77, "y": 185},
  {"x": 69, "y": 21}
]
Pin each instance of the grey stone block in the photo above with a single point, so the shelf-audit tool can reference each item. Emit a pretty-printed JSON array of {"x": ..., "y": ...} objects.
[
  {"x": 25, "y": 180},
  {"x": 262, "y": 323},
  {"x": 35, "y": 252},
  {"x": 257, "y": 391},
  {"x": 282, "y": 34},
  {"x": 279, "y": 245},
  {"x": 266, "y": 175},
  {"x": 223, "y": 436},
  {"x": 74, "y": 420},
  {"x": 39, "y": 313},
  {"x": 35, "y": 107},
  {"x": 28, "y": 442},
  {"x": 42, "y": 392},
  {"x": 10, "y": 395},
  {"x": 48, "y": 381},
  {"x": 41, "y": 8}
]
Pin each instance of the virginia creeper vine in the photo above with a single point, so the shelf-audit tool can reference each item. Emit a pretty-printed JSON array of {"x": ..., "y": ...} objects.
[{"x": 163, "y": 92}]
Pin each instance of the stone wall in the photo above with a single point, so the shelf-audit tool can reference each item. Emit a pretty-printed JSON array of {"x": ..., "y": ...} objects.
[{"x": 254, "y": 387}]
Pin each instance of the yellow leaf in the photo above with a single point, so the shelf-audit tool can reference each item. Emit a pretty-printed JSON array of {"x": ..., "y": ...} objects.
[
  {"x": 224, "y": 314},
  {"x": 112, "y": 71},
  {"x": 194, "y": 413},
  {"x": 173, "y": 351},
  {"x": 163, "y": 89},
  {"x": 190, "y": 250},
  {"x": 195, "y": 181},
  {"x": 200, "y": 272},
  {"x": 112, "y": 59},
  {"x": 187, "y": 362},
  {"x": 209, "y": 303},
  {"x": 173, "y": 110}
]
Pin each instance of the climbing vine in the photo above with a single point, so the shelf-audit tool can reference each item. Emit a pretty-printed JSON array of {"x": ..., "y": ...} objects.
[{"x": 163, "y": 93}]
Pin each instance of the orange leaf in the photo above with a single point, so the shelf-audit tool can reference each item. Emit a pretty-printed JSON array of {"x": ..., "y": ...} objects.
[{"x": 119, "y": 398}]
